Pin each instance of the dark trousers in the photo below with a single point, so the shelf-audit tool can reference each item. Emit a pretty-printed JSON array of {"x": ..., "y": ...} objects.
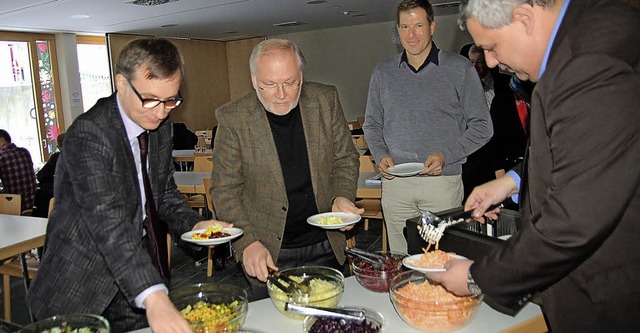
[
  {"x": 320, "y": 254},
  {"x": 124, "y": 317}
]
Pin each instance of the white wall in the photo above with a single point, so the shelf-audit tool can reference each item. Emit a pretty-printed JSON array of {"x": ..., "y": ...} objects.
[
  {"x": 70, "y": 88},
  {"x": 345, "y": 57}
]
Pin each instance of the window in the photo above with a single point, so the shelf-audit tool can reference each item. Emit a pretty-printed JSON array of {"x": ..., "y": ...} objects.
[
  {"x": 29, "y": 93},
  {"x": 93, "y": 63}
]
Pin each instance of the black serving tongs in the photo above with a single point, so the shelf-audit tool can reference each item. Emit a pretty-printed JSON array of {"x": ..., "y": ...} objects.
[
  {"x": 292, "y": 285},
  {"x": 342, "y": 314},
  {"x": 376, "y": 260},
  {"x": 432, "y": 226}
]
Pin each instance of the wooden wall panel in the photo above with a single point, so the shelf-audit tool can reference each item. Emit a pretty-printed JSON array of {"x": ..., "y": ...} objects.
[
  {"x": 206, "y": 81},
  {"x": 238, "y": 53}
]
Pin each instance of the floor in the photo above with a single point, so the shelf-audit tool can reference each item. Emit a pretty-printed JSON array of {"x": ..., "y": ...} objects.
[{"x": 188, "y": 267}]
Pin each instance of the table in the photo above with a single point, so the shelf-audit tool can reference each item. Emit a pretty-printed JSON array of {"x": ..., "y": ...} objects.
[
  {"x": 190, "y": 182},
  {"x": 20, "y": 234},
  {"x": 368, "y": 191},
  {"x": 264, "y": 317},
  {"x": 185, "y": 156}
]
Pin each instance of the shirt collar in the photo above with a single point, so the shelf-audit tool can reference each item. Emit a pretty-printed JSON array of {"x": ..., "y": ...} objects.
[
  {"x": 543, "y": 66},
  {"x": 133, "y": 129},
  {"x": 431, "y": 57}
]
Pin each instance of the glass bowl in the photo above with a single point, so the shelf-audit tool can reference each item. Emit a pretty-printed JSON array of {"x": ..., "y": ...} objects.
[
  {"x": 70, "y": 323},
  {"x": 374, "y": 321},
  {"x": 427, "y": 306},
  {"x": 377, "y": 279},
  {"x": 212, "y": 307},
  {"x": 327, "y": 286}
]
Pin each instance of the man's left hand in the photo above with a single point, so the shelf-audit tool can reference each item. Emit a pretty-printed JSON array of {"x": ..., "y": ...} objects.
[
  {"x": 454, "y": 278},
  {"x": 342, "y": 204},
  {"x": 434, "y": 163}
]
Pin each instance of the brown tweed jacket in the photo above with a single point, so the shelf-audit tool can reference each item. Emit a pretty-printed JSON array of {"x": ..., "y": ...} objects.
[{"x": 247, "y": 183}]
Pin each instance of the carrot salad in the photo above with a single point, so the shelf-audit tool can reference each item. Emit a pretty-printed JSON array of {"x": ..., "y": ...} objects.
[{"x": 432, "y": 307}]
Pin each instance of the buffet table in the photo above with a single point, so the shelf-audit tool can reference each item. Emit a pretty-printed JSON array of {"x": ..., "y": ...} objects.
[{"x": 263, "y": 317}]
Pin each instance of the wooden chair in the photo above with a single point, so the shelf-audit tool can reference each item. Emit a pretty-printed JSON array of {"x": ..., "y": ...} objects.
[
  {"x": 372, "y": 207},
  {"x": 51, "y": 202},
  {"x": 207, "y": 195},
  {"x": 202, "y": 163},
  {"x": 11, "y": 204}
]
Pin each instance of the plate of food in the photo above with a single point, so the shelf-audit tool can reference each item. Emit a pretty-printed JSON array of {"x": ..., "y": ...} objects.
[
  {"x": 213, "y": 235},
  {"x": 406, "y": 169},
  {"x": 333, "y": 220},
  {"x": 432, "y": 261}
]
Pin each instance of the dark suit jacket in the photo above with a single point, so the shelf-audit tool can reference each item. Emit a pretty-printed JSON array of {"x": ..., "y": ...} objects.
[
  {"x": 93, "y": 245},
  {"x": 580, "y": 237},
  {"x": 247, "y": 183}
]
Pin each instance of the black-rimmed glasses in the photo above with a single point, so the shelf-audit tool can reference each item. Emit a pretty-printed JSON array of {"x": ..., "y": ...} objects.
[{"x": 150, "y": 103}]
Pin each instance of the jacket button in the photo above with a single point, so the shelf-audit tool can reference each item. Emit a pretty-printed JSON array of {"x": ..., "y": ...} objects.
[
  {"x": 284, "y": 209},
  {"x": 279, "y": 238}
]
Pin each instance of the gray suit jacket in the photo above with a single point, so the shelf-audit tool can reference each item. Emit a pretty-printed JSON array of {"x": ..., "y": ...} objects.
[
  {"x": 93, "y": 243},
  {"x": 580, "y": 240},
  {"x": 247, "y": 183}
]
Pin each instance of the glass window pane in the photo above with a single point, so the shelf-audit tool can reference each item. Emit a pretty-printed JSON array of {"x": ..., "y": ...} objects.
[
  {"x": 95, "y": 78},
  {"x": 18, "y": 116}
]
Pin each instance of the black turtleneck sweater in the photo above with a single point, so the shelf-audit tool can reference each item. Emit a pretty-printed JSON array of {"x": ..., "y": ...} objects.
[{"x": 288, "y": 134}]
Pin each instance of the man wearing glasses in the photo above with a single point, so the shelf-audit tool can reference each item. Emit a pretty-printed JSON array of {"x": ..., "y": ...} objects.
[
  {"x": 105, "y": 251},
  {"x": 281, "y": 155}
]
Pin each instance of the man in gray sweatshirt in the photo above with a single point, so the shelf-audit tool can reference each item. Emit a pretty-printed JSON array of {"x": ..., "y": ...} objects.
[{"x": 425, "y": 105}]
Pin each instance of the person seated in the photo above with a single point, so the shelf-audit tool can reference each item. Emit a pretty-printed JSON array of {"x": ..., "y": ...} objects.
[
  {"x": 16, "y": 171},
  {"x": 508, "y": 144},
  {"x": 183, "y": 138},
  {"x": 45, "y": 177}
]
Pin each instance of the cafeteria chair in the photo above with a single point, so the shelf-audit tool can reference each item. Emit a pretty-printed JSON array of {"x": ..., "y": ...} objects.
[
  {"x": 372, "y": 207},
  {"x": 207, "y": 195},
  {"x": 10, "y": 204},
  {"x": 200, "y": 164}
]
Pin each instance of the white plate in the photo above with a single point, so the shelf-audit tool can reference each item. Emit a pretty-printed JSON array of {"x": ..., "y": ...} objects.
[
  {"x": 347, "y": 219},
  {"x": 416, "y": 257},
  {"x": 406, "y": 169},
  {"x": 235, "y": 233}
]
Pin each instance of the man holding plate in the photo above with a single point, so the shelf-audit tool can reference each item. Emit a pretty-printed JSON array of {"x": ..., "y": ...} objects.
[
  {"x": 282, "y": 155},
  {"x": 426, "y": 112}
]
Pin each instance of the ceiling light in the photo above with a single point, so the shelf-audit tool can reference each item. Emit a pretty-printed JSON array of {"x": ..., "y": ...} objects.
[
  {"x": 149, "y": 2},
  {"x": 80, "y": 16}
]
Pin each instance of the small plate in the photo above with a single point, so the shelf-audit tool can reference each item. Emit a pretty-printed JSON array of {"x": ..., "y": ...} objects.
[
  {"x": 347, "y": 219},
  {"x": 235, "y": 233},
  {"x": 406, "y": 169},
  {"x": 407, "y": 263}
]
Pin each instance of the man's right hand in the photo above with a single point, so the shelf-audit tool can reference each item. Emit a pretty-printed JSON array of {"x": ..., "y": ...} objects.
[
  {"x": 163, "y": 315},
  {"x": 257, "y": 260},
  {"x": 386, "y": 161},
  {"x": 491, "y": 193}
]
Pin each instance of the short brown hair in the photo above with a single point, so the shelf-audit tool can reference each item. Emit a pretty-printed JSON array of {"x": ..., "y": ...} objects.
[
  {"x": 407, "y": 5},
  {"x": 160, "y": 57}
]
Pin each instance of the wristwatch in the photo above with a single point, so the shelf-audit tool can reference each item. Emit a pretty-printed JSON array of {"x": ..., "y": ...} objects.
[{"x": 471, "y": 284}]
